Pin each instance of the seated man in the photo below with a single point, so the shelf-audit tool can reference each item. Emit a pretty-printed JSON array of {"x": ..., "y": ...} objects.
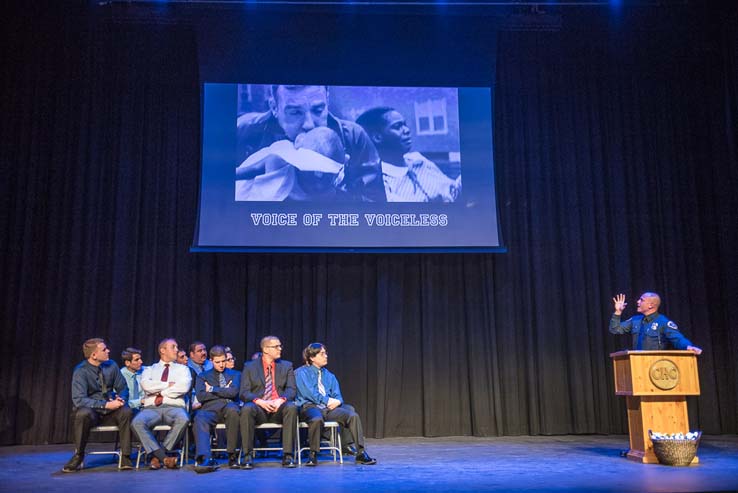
[
  {"x": 165, "y": 385},
  {"x": 268, "y": 391},
  {"x": 217, "y": 390},
  {"x": 319, "y": 397},
  {"x": 132, "y": 370},
  {"x": 99, "y": 395}
]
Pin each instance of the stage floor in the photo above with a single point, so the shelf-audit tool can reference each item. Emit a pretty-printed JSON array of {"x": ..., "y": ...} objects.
[{"x": 561, "y": 463}]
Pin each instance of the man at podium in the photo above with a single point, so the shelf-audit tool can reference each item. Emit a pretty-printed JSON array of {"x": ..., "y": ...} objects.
[{"x": 650, "y": 329}]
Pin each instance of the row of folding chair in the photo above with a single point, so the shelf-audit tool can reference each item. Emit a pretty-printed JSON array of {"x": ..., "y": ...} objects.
[{"x": 332, "y": 445}]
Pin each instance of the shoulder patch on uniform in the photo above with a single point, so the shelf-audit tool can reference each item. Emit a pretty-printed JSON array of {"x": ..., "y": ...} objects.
[{"x": 672, "y": 325}]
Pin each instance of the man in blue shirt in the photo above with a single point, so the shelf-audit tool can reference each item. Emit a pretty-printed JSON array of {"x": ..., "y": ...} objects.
[
  {"x": 131, "y": 371},
  {"x": 650, "y": 329},
  {"x": 319, "y": 397},
  {"x": 99, "y": 395}
]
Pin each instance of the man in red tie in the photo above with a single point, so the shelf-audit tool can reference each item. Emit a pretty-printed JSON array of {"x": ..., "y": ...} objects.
[
  {"x": 165, "y": 385},
  {"x": 268, "y": 392}
]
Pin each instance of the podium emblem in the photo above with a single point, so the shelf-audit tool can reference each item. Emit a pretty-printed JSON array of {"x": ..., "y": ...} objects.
[{"x": 664, "y": 374}]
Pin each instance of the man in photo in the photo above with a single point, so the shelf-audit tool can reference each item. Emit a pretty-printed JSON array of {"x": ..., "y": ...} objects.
[
  {"x": 295, "y": 110},
  {"x": 407, "y": 176}
]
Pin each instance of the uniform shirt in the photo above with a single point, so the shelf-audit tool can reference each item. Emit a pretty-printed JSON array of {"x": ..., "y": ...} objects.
[
  {"x": 87, "y": 387},
  {"x": 306, "y": 378},
  {"x": 152, "y": 385},
  {"x": 650, "y": 333}
]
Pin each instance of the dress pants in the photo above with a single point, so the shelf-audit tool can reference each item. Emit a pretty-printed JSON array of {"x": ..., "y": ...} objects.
[
  {"x": 252, "y": 415},
  {"x": 205, "y": 421},
  {"x": 345, "y": 415},
  {"x": 148, "y": 417},
  {"x": 86, "y": 417}
]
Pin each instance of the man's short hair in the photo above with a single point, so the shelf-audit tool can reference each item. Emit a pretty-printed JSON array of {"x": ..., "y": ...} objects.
[
  {"x": 217, "y": 351},
  {"x": 311, "y": 351},
  {"x": 194, "y": 345},
  {"x": 275, "y": 89},
  {"x": 266, "y": 339},
  {"x": 163, "y": 343},
  {"x": 373, "y": 120},
  {"x": 127, "y": 354},
  {"x": 90, "y": 346}
]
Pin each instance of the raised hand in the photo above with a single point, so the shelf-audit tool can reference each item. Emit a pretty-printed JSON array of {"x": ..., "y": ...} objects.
[{"x": 620, "y": 303}]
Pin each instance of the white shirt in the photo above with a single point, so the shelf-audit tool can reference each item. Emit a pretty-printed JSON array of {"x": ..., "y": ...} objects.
[
  {"x": 420, "y": 180},
  {"x": 174, "y": 395}
]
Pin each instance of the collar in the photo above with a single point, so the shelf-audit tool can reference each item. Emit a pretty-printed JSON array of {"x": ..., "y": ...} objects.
[
  {"x": 412, "y": 161},
  {"x": 651, "y": 318}
]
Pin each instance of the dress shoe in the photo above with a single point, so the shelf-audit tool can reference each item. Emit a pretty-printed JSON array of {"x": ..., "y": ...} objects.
[
  {"x": 125, "y": 463},
  {"x": 74, "y": 463},
  {"x": 312, "y": 459},
  {"x": 288, "y": 461},
  {"x": 349, "y": 450},
  {"x": 155, "y": 463},
  {"x": 210, "y": 465},
  {"x": 363, "y": 458},
  {"x": 233, "y": 461},
  {"x": 247, "y": 462},
  {"x": 171, "y": 462}
]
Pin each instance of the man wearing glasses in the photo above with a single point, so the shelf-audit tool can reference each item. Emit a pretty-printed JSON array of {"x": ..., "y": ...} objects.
[
  {"x": 268, "y": 392},
  {"x": 319, "y": 397}
]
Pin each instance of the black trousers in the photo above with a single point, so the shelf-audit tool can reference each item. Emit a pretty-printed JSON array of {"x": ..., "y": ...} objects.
[
  {"x": 204, "y": 423},
  {"x": 252, "y": 415},
  {"x": 85, "y": 418},
  {"x": 345, "y": 415}
]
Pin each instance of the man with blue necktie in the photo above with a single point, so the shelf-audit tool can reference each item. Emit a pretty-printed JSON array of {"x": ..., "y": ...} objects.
[{"x": 131, "y": 371}]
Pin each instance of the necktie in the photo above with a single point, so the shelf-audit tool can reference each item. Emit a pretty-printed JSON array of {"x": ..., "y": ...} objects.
[
  {"x": 101, "y": 379},
  {"x": 321, "y": 387},
  {"x": 221, "y": 380},
  {"x": 268, "y": 384},
  {"x": 164, "y": 378},
  {"x": 135, "y": 386},
  {"x": 641, "y": 330}
]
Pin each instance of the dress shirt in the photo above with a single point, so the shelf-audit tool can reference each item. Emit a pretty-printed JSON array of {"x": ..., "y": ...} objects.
[
  {"x": 306, "y": 378},
  {"x": 419, "y": 180},
  {"x": 152, "y": 385},
  {"x": 133, "y": 380},
  {"x": 208, "y": 365},
  {"x": 272, "y": 368},
  {"x": 87, "y": 389}
]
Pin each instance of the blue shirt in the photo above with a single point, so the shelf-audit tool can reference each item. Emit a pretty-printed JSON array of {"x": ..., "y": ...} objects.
[
  {"x": 87, "y": 389},
  {"x": 133, "y": 380},
  {"x": 306, "y": 378}
]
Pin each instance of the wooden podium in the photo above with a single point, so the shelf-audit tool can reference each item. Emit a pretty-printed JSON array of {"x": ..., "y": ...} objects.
[{"x": 655, "y": 385}]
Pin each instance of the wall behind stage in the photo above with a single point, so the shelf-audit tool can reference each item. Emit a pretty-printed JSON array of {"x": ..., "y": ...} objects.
[{"x": 616, "y": 160}]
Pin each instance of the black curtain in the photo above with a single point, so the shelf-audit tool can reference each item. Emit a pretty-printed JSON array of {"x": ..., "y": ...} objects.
[{"x": 615, "y": 150}]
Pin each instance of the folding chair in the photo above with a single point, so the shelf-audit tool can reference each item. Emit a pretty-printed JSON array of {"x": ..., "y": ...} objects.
[
  {"x": 333, "y": 444},
  {"x": 116, "y": 452},
  {"x": 182, "y": 451}
]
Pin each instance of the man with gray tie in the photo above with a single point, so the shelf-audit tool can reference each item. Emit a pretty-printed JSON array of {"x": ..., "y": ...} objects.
[
  {"x": 650, "y": 329},
  {"x": 131, "y": 371}
]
